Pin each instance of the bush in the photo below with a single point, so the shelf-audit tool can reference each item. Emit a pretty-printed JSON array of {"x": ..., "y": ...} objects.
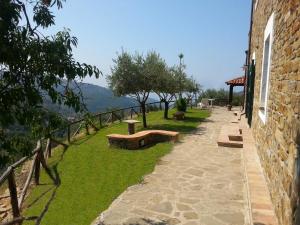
[
  {"x": 237, "y": 100},
  {"x": 181, "y": 104}
]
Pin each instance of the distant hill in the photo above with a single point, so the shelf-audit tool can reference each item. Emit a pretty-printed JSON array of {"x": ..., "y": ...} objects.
[
  {"x": 99, "y": 98},
  {"x": 96, "y": 98}
]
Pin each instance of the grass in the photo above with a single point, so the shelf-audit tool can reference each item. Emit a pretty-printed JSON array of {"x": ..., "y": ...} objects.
[{"x": 92, "y": 175}]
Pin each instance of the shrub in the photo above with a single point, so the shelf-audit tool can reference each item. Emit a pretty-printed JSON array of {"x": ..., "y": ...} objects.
[
  {"x": 181, "y": 104},
  {"x": 237, "y": 100}
]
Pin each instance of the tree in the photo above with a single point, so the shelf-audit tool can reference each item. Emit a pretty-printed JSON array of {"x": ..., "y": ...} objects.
[
  {"x": 179, "y": 80},
  {"x": 166, "y": 87},
  {"x": 134, "y": 75},
  {"x": 33, "y": 65},
  {"x": 214, "y": 93},
  {"x": 221, "y": 95},
  {"x": 192, "y": 88}
]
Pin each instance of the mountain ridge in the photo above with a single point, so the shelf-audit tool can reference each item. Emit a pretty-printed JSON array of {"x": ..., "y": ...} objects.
[{"x": 96, "y": 99}]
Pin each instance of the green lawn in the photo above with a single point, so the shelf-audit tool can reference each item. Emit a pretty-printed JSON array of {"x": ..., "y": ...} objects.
[{"x": 92, "y": 175}]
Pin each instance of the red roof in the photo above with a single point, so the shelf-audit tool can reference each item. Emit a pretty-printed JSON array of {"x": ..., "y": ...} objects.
[{"x": 240, "y": 81}]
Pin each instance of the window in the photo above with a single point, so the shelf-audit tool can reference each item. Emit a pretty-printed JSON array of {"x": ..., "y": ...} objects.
[{"x": 266, "y": 63}]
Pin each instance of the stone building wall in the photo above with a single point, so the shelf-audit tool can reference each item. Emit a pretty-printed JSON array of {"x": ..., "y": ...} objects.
[{"x": 278, "y": 139}]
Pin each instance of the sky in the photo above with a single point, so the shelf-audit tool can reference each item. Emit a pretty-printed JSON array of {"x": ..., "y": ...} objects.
[{"x": 212, "y": 35}]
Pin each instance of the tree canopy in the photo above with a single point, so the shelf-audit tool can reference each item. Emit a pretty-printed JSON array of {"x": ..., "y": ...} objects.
[
  {"x": 222, "y": 95},
  {"x": 192, "y": 88},
  {"x": 33, "y": 65},
  {"x": 135, "y": 75}
]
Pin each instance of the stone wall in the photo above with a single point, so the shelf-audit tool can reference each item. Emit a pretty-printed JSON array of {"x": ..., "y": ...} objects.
[{"x": 278, "y": 139}]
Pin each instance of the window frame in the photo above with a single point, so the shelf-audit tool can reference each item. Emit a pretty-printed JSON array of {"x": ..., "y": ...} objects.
[
  {"x": 268, "y": 34},
  {"x": 256, "y": 3}
]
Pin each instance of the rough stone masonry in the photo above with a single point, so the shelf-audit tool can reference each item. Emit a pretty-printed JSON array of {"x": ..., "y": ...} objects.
[{"x": 278, "y": 138}]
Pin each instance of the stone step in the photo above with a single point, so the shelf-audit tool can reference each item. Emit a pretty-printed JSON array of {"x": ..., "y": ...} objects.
[
  {"x": 230, "y": 136},
  {"x": 230, "y": 144},
  {"x": 233, "y": 137}
]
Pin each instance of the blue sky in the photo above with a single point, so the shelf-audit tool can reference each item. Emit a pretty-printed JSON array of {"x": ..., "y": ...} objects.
[{"x": 212, "y": 35}]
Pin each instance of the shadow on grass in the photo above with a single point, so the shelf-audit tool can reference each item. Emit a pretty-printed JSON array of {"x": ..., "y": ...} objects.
[
  {"x": 57, "y": 179},
  {"x": 188, "y": 125},
  {"x": 40, "y": 217},
  {"x": 51, "y": 198},
  {"x": 39, "y": 197},
  {"x": 58, "y": 182},
  {"x": 177, "y": 127},
  {"x": 83, "y": 139},
  {"x": 55, "y": 184},
  {"x": 180, "y": 126}
]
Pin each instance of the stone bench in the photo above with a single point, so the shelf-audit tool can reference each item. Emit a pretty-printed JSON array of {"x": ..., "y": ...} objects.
[{"x": 142, "y": 138}]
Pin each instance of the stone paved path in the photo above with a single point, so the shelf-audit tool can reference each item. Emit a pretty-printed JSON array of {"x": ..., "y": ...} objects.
[{"x": 197, "y": 183}]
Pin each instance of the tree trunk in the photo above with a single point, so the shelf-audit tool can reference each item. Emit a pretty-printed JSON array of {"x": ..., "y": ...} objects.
[
  {"x": 143, "y": 108},
  {"x": 166, "y": 110}
]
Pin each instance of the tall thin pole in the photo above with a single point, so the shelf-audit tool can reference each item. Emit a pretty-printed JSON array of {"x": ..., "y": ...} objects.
[
  {"x": 180, "y": 71},
  {"x": 248, "y": 61}
]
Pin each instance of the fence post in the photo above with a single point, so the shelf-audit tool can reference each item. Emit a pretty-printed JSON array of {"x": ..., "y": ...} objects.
[
  {"x": 48, "y": 148},
  {"x": 69, "y": 133},
  {"x": 44, "y": 164},
  {"x": 13, "y": 194},
  {"x": 100, "y": 120},
  {"x": 87, "y": 128},
  {"x": 37, "y": 168},
  {"x": 122, "y": 115},
  {"x": 119, "y": 117},
  {"x": 131, "y": 111},
  {"x": 37, "y": 164}
]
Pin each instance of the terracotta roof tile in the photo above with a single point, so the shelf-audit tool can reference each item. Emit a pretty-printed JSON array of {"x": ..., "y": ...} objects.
[{"x": 237, "y": 81}]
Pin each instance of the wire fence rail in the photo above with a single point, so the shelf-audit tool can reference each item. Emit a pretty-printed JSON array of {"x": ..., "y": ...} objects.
[{"x": 43, "y": 151}]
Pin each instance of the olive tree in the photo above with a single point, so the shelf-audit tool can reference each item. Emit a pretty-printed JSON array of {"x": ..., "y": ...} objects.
[
  {"x": 180, "y": 78},
  {"x": 191, "y": 88},
  {"x": 134, "y": 75},
  {"x": 166, "y": 87}
]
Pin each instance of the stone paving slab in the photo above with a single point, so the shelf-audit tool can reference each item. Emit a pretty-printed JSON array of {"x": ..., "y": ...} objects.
[{"x": 197, "y": 183}]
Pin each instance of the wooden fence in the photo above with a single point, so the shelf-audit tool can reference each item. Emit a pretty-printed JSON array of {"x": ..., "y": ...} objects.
[
  {"x": 221, "y": 101},
  {"x": 39, "y": 155}
]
